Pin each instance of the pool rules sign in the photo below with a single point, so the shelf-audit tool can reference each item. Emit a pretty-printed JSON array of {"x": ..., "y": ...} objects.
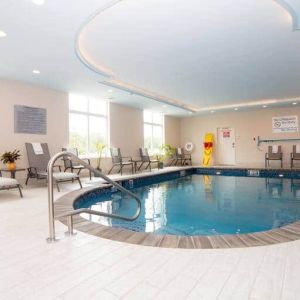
[{"x": 285, "y": 124}]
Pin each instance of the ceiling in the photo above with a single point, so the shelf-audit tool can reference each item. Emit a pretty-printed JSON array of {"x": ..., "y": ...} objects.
[{"x": 174, "y": 56}]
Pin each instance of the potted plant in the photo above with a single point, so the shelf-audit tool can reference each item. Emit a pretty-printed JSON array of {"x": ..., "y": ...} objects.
[
  {"x": 167, "y": 151},
  {"x": 99, "y": 149},
  {"x": 9, "y": 158}
]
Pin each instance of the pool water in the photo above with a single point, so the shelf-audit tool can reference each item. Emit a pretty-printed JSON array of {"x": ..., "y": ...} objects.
[{"x": 205, "y": 205}]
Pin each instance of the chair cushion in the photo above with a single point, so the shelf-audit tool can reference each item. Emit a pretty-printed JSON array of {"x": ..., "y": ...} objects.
[
  {"x": 64, "y": 176},
  {"x": 8, "y": 182}
]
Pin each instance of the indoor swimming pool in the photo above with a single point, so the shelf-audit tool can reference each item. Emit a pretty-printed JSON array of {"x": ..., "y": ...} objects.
[{"x": 201, "y": 204}]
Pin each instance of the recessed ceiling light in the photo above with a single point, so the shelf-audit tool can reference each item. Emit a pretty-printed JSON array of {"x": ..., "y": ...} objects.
[
  {"x": 236, "y": 108},
  {"x": 38, "y": 2},
  {"x": 2, "y": 34},
  {"x": 190, "y": 112},
  {"x": 264, "y": 106},
  {"x": 212, "y": 111},
  {"x": 110, "y": 91},
  {"x": 36, "y": 72},
  {"x": 295, "y": 103},
  {"x": 164, "y": 106}
]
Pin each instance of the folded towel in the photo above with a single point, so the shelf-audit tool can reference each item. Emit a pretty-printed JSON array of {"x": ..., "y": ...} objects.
[
  {"x": 37, "y": 148},
  {"x": 275, "y": 149},
  {"x": 297, "y": 148}
]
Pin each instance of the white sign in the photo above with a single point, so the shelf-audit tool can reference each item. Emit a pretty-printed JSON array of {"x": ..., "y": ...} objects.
[{"x": 285, "y": 124}]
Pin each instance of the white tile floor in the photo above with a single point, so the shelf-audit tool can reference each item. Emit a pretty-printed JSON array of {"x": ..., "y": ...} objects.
[{"x": 87, "y": 267}]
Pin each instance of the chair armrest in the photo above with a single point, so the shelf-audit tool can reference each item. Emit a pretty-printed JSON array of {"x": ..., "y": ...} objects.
[
  {"x": 127, "y": 157},
  {"x": 87, "y": 160},
  {"x": 32, "y": 170},
  {"x": 266, "y": 155}
]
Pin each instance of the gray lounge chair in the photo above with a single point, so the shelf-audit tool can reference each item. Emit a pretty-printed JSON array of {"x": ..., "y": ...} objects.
[
  {"x": 181, "y": 157},
  {"x": 295, "y": 155},
  {"x": 38, "y": 162},
  {"x": 146, "y": 159},
  {"x": 120, "y": 161},
  {"x": 272, "y": 155},
  {"x": 9, "y": 183},
  {"x": 68, "y": 163}
]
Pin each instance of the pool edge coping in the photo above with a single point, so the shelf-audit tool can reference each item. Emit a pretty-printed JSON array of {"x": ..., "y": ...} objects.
[{"x": 64, "y": 204}]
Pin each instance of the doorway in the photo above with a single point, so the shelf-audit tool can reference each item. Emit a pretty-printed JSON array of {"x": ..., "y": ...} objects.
[{"x": 226, "y": 146}]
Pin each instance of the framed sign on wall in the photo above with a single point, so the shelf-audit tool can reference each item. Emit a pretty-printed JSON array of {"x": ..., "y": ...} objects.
[
  {"x": 30, "y": 120},
  {"x": 285, "y": 124}
]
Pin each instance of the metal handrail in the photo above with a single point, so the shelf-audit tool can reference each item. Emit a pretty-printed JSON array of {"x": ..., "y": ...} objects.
[{"x": 52, "y": 237}]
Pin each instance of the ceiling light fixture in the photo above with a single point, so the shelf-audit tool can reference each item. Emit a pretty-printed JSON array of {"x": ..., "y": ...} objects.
[
  {"x": 264, "y": 106},
  {"x": 212, "y": 111},
  {"x": 36, "y": 72},
  {"x": 164, "y": 106},
  {"x": 2, "y": 34},
  {"x": 236, "y": 108},
  {"x": 38, "y": 2},
  {"x": 295, "y": 103},
  {"x": 109, "y": 91}
]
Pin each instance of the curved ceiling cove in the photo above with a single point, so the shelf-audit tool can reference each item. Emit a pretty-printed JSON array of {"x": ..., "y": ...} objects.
[
  {"x": 293, "y": 8},
  {"x": 210, "y": 54}
]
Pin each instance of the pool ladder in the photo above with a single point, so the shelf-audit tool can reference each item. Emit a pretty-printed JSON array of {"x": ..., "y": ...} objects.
[{"x": 52, "y": 237}]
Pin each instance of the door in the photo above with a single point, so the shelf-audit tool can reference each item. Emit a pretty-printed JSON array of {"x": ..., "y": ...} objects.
[{"x": 226, "y": 146}]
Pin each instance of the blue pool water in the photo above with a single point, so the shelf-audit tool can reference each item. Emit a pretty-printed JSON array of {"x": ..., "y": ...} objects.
[{"x": 205, "y": 205}]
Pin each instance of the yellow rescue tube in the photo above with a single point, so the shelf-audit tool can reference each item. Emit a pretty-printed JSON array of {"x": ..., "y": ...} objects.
[{"x": 208, "y": 149}]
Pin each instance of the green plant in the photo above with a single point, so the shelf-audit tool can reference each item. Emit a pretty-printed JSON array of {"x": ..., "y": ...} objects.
[
  {"x": 10, "y": 157},
  {"x": 99, "y": 149},
  {"x": 167, "y": 151}
]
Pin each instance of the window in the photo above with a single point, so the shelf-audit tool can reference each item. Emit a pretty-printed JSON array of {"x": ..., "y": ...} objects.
[
  {"x": 88, "y": 123},
  {"x": 153, "y": 131}
]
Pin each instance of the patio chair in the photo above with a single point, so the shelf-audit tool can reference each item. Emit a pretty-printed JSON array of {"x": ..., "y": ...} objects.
[
  {"x": 295, "y": 155},
  {"x": 9, "y": 183},
  {"x": 181, "y": 157},
  {"x": 146, "y": 159},
  {"x": 38, "y": 158},
  {"x": 68, "y": 163},
  {"x": 274, "y": 153},
  {"x": 120, "y": 161}
]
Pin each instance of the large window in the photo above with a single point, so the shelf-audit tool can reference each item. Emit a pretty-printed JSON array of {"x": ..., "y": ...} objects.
[
  {"x": 88, "y": 123},
  {"x": 153, "y": 131}
]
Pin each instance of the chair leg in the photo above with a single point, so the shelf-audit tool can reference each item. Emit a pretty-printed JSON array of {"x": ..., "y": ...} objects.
[
  {"x": 20, "y": 191},
  {"x": 79, "y": 181},
  {"x": 57, "y": 186},
  {"x": 281, "y": 164},
  {"x": 90, "y": 175},
  {"x": 121, "y": 170},
  {"x": 140, "y": 165},
  {"x": 111, "y": 169},
  {"x": 27, "y": 179},
  {"x": 150, "y": 166},
  {"x": 132, "y": 168}
]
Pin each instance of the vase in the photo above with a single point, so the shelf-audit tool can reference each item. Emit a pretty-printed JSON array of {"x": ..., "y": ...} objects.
[{"x": 11, "y": 166}]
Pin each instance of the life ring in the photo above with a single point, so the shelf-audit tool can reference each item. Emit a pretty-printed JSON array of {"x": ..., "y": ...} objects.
[{"x": 189, "y": 146}]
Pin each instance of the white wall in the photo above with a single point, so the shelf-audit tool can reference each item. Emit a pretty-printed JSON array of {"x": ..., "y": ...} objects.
[
  {"x": 17, "y": 93},
  {"x": 126, "y": 123},
  {"x": 247, "y": 125}
]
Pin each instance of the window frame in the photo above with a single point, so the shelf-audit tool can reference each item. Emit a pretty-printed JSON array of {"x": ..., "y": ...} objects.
[
  {"x": 154, "y": 124},
  {"x": 89, "y": 114}
]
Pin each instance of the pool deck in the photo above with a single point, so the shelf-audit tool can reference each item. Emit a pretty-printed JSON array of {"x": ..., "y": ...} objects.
[
  {"x": 63, "y": 205},
  {"x": 90, "y": 267}
]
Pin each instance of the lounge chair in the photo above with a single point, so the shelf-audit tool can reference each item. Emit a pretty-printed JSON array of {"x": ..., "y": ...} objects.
[
  {"x": 295, "y": 155},
  {"x": 146, "y": 159},
  {"x": 38, "y": 157},
  {"x": 274, "y": 153},
  {"x": 68, "y": 163},
  {"x": 9, "y": 183},
  {"x": 181, "y": 157},
  {"x": 120, "y": 161}
]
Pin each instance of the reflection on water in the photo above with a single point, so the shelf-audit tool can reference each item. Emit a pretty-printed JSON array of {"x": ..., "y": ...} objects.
[{"x": 205, "y": 205}]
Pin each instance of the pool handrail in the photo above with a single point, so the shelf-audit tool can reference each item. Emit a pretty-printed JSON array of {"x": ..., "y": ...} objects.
[{"x": 51, "y": 217}]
